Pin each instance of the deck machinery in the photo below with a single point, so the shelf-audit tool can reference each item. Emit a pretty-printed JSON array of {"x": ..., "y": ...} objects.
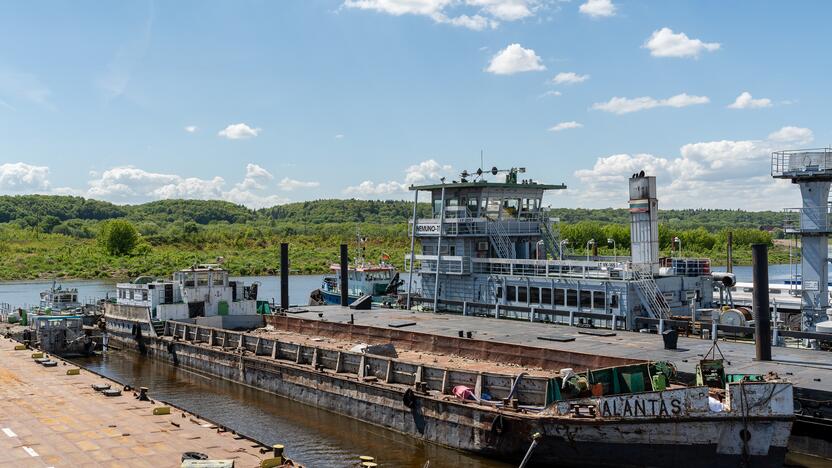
[
  {"x": 493, "y": 247},
  {"x": 811, "y": 169}
]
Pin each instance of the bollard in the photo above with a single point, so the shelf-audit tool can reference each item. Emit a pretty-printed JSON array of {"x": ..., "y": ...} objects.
[
  {"x": 278, "y": 450},
  {"x": 143, "y": 394},
  {"x": 345, "y": 268},
  {"x": 284, "y": 276},
  {"x": 161, "y": 410},
  {"x": 760, "y": 302},
  {"x": 661, "y": 326}
]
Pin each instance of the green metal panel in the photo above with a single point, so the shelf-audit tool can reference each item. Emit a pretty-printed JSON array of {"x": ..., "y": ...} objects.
[{"x": 222, "y": 308}]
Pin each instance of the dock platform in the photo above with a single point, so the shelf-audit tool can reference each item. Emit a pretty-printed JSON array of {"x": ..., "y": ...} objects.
[
  {"x": 51, "y": 419},
  {"x": 806, "y": 369}
]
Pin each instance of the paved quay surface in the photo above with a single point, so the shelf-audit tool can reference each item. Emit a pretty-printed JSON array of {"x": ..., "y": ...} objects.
[
  {"x": 50, "y": 419},
  {"x": 805, "y": 368}
]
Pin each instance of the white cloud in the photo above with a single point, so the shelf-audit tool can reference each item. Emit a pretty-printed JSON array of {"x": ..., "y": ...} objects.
[
  {"x": 472, "y": 14},
  {"x": 369, "y": 188},
  {"x": 711, "y": 174},
  {"x": 191, "y": 129},
  {"x": 665, "y": 43},
  {"x": 551, "y": 93},
  {"x": 426, "y": 170},
  {"x": 20, "y": 177},
  {"x": 287, "y": 185},
  {"x": 795, "y": 135},
  {"x": 565, "y": 126},
  {"x": 423, "y": 172},
  {"x": 746, "y": 101},
  {"x": 622, "y": 105},
  {"x": 598, "y": 8},
  {"x": 569, "y": 78},
  {"x": 339, "y": 136},
  {"x": 130, "y": 184},
  {"x": 515, "y": 59},
  {"x": 238, "y": 131}
]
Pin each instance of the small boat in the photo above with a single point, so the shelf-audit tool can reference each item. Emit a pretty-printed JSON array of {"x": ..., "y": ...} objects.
[
  {"x": 378, "y": 280},
  {"x": 63, "y": 335},
  {"x": 58, "y": 298}
]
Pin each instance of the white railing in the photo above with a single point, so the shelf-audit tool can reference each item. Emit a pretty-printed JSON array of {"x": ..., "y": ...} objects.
[
  {"x": 568, "y": 269},
  {"x": 650, "y": 294},
  {"x": 500, "y": 240},
  {"x": 801, "y": 163},
  {"x": 449, "y": 265}
]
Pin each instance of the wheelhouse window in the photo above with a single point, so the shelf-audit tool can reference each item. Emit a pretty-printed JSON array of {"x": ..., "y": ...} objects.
[
  {"x": 511, "y": 293},
  {"x": 511, "y": 206},
  {"x": 472, "y": 205},
  {"x": 522, "y": 294}
]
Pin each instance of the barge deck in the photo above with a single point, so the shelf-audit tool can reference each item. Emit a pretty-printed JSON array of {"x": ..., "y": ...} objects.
[{"x": 49, "y": 418}]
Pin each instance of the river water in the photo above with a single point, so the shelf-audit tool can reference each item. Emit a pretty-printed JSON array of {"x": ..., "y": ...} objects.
[{"x": 313, "y": 437}]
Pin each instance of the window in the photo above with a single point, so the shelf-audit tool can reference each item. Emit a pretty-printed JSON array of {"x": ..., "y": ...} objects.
[
  {"x": 546, "y": 296},
  {"x": 614, "y": 301},
  {"x": 522, "y": 294},
  {"x": 586, "y": 299},
  {"x": 598, "y": 299},
  {"x": 499, "y": 292},
  {"x": 571, "y": 298},
  {"x": 510, "y": 207},
  {"x": 534, "y": 295},
  {"x": 144, "y": 295},
  {"x": 493, "y": 208},
  {"x": 511, "y": 293},
  {"x": 472, "y": 206},
  {"x": 560, "y": 297},
  {"x": 452, "y": 250},
  {"x": 437, "y": 207},
  {"x": 202, "y": 279}
]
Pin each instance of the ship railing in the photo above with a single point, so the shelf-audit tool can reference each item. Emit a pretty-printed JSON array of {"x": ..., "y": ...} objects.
[
  {"x": 802, "y": 163},
  {"x": 448, "y": 265},
  {"x": 571, "y": 269},
  {"x": 476, "y": 226},
  {"x": 814, "y": 220}
]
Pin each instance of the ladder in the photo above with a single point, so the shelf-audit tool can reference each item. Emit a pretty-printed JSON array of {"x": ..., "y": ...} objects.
[
  {"x": 650, "y": 294},
  {"x": 550, "y": 239},
  {"x": 500, "y": 240}
]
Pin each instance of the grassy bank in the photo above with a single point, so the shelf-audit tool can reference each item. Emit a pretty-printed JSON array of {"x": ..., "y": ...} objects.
[{"x": 28, "y": 254}]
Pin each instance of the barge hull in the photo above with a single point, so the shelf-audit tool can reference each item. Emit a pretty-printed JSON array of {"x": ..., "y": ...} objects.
[{"x": 502, "y": 435}]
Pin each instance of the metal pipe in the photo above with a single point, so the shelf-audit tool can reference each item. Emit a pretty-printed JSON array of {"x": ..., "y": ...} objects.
[
  {"x": 760, "y": 304},
  {"x": 412, "y": 246},
  {"x": 730, "y": 268},
  {"x": 439, "y": 252},
  {"x": 284, "y": 276},
  {"x": 535, "y": 438},
  {"x": 345, "y": 267}
]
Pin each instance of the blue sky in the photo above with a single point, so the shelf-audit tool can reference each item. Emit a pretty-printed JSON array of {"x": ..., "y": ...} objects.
[{"x": 264, "y": 102}]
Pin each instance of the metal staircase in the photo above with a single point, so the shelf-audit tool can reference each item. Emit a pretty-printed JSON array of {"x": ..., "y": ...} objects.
[
  {"x": 650, "y": 295},
  {"x": 158, "y": 327},
  {"x": 500, "y": 240},
  {"x": 550, "y": 239}
]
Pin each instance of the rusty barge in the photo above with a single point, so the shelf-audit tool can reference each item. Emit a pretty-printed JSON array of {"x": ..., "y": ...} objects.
[{"x": 629, "y": 414}]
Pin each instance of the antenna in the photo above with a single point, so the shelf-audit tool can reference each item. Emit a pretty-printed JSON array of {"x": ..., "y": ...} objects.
[{"x": 480, "y": 158}]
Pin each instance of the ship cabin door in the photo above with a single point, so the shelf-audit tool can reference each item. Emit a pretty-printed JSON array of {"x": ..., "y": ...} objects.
[
  {"x": 196, "y": 309},
  {"x": 168, "y": 294}
]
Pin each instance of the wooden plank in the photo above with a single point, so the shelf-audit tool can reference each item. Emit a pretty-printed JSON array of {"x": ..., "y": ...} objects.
[
  {"x": 597, "y": 332},
  {"x": 401, "y": 324},
  {"x": 558, "y": 338}
]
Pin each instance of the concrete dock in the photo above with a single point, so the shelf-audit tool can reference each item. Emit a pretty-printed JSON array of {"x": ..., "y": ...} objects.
[
  {"x": 49, "y": 418},
  {"x": 806, "y": 369}
]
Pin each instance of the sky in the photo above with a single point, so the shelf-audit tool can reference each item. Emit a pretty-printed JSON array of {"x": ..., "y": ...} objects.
[{"x": 269, "y": 102}]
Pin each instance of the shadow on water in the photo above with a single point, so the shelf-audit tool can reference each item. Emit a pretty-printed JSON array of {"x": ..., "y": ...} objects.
[{"x": 312, "y": 436}]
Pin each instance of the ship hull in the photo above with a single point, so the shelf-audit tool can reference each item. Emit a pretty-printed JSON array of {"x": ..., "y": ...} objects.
[{"x": 650, "y": 442}]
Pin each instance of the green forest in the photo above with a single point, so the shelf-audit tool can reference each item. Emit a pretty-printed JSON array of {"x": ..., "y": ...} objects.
[{"x": 45, "y": 236}]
